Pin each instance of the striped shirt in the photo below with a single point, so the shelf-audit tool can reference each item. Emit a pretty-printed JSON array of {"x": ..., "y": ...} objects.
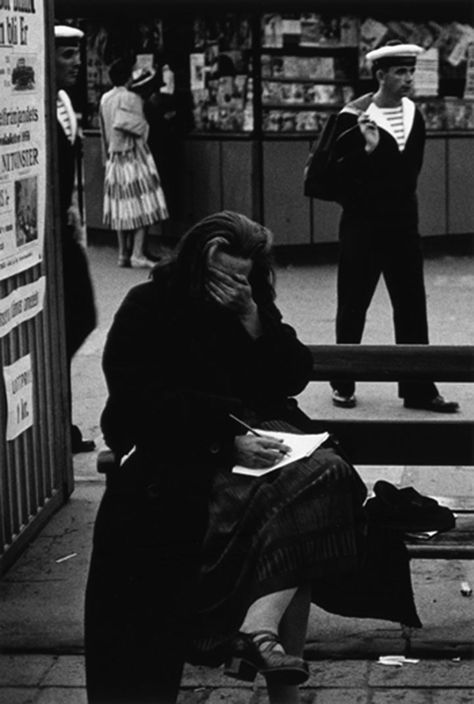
[
  {"x": 394, "y": 117},
  {"x": 66, "y": 115}
]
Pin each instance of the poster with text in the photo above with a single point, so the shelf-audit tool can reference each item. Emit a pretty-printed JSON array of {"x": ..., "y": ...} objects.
[
  {"x": 18, "y": 379},
  {"x": 22, "y": 304},
  {"x": 22, "y": 135}
]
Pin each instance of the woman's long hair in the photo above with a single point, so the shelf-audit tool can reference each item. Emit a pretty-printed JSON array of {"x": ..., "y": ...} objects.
[{"x": 234, "y": 234}]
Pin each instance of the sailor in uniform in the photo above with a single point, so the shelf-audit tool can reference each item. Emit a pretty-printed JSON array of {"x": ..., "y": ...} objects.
[{"x": 377, "y": 157}]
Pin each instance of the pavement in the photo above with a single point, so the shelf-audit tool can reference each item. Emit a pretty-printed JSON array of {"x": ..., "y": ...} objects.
[{"x": 41, "y": 597}]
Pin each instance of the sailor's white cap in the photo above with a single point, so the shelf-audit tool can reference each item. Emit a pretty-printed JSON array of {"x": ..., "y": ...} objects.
[
  {"x": 65, "y": 34},
  {"x": 394, "y": 52}
]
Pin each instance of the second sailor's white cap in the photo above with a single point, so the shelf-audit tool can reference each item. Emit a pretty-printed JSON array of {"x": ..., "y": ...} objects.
[
  {"x": 64, "y": 34},
  {"x": 394, "y": 53}
]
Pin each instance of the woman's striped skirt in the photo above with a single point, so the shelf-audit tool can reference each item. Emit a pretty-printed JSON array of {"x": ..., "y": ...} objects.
[
  {"x": 302, "y": 524},
  {"x": 133, "y": 196}
]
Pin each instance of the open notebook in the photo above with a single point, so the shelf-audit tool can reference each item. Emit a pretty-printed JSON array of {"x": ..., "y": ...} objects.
[{"x": 301, "y": 446}]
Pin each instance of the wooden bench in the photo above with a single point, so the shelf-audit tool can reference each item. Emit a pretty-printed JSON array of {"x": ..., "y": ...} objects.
[{"x": 443, "y": 440}]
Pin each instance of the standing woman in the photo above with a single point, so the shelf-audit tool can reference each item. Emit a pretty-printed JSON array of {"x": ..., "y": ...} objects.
[{"x": 133, "y": 197}]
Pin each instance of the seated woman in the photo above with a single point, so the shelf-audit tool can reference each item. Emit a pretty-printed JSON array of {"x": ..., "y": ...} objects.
[{"x": 194, "y": 562}]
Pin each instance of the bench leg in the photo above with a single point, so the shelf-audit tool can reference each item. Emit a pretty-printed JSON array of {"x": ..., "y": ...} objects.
[{"x": 406, "y": 633}]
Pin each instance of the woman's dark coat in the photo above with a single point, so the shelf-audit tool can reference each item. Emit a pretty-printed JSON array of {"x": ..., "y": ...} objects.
[
  {"x": 174, "y": 372},
  {"x": 183, "y": 369},
  {"x": 175, "y": 369}
]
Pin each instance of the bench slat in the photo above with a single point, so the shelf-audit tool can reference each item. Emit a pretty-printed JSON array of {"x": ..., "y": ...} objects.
[
  {"x": 393, "y": 362},
  {"x": 400, "y": 442},
  {"x": 454, "y": 544}
]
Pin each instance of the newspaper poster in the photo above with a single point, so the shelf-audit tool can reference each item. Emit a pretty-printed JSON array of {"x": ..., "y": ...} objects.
[
  {"x": 469, "y": 85},
  {"x": 22, "y": 304},
  {"x": 427, "y": 73},
  {"x": 22, "y": 135},
  {"x": 19, "y": 395},
  {"x": 197, "y": 71}
]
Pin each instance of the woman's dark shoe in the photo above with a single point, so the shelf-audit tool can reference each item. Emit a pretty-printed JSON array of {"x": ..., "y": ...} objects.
[
  {"x": 153, "y": 257},
  {"x": 124, "y": 262},
  {"x": 78, "y": 444},
  {"x": 257, "y": 652}
]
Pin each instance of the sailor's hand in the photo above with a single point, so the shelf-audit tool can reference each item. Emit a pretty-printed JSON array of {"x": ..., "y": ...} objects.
[
  {"x": 75, "y": 223},
  {"x": 369, "y": 131}
]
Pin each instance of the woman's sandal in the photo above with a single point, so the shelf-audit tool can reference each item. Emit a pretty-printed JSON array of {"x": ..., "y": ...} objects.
[{"x": 249, "y": 657}]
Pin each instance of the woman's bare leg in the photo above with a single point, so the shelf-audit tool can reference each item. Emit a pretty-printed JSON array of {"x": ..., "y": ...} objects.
[
  {"x": 294, "y": 623},
  {"x": 286, "y": 613},
  {"x": 139, "y": 243},
  {"x": 293, "y": 630},
  {"x": 266, "y": 613},
  {"x": 123, "y": 245},
  {"x": 139, "y": 257}
]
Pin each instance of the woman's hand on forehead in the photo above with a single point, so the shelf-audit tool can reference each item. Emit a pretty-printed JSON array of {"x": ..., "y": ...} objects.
[
  {"x": 227, "y": 275},
  {"x": 230, "y": 264}
]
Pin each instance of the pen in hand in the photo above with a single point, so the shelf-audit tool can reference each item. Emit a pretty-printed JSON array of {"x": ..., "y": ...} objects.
[
  {"x": 284, "y": 451},
  {"x": 269, "y": 449},
  {"x": 244, "y": 425}
]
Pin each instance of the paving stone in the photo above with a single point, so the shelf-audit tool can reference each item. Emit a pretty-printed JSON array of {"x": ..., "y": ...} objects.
[
  {"x": 236, "y": 696},
  {"x": 67, "y": 671},
  {"x": 426, "y": 673},
  {"x": 453, "y": 696},
  {"x": 62, "y": 695},
  {"x": 9, "y": 695},
  {"x": 352, "y": 673},
  {"x": 334, "y": 696},
  {"x": 423, "y": 696},
  {"x": 199, "y": 695},
  {"x": 24, "y": 670},
  {"x": 200, "y": 676},
  {"x": 230, "y": 695},
  {"x": 402, "y": 696},
  {"x": 338, "y": 673}
]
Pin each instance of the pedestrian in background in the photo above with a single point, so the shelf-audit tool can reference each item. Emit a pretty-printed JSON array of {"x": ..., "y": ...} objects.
[
  {"x": 80, "y": 313},
  {"x": 133, "y": 197},
  {"x": 376, "y": 160}
]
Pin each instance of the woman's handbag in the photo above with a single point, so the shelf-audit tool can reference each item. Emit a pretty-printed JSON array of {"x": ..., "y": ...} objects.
[{"x": 406, "y": 510}]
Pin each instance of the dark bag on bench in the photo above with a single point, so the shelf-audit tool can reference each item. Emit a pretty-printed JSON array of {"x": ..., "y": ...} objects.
[{"x": 406, "y": 510}]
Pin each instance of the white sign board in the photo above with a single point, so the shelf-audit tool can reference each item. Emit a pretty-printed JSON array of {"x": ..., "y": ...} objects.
[
  {"x": 22, "y": 135},
  {"x": 19, "y": 393},
  {"x": 21, "y": 304}
]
